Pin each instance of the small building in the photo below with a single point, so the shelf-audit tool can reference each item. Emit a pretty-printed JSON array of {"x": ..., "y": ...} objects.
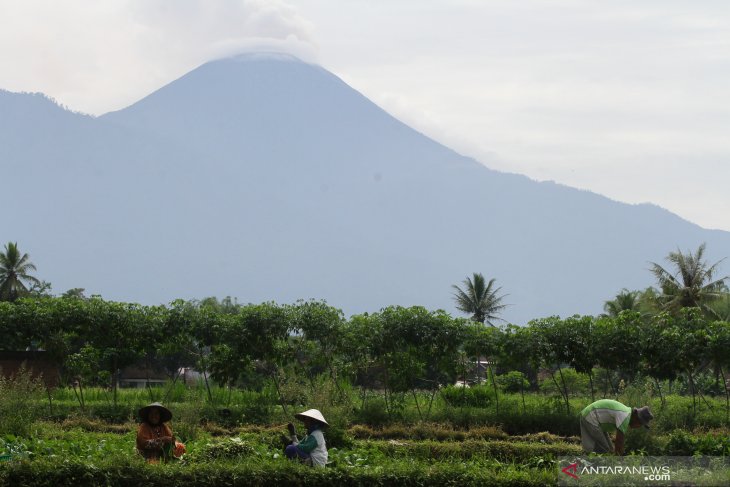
[
  {"x": 139, "y": 377},
  {"x": 38, "y": 362},
  {"x": 476, "y": 374}
]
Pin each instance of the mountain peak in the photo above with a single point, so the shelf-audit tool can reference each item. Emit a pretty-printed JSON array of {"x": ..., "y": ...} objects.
[
  {"x": 263, "y": 56},
  {"x": 297, "y": 186},
  {"x": 258, "y": 100}
]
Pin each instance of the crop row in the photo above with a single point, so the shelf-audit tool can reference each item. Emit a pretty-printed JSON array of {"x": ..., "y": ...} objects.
[{"x": 60, "y": 473}]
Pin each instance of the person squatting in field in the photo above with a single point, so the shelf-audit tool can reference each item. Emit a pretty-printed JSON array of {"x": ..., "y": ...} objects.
[
  {"x": 605, "y": 416},
  {"x": 312, "y": 450},
  {"x": 155, "y": 440}
]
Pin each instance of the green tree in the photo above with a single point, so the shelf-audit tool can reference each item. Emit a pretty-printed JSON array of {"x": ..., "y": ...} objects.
[
  {"x": 408, "y": 350},
  {"x": 320, "y": 330},
  {"x": 198, "y": 331},
  {"x": 519, "y": 351},
  {"x": 116, "y": 331},
  {"x": 719, "y": 344},
  {"x": 262, "y": 333},
  {"x": 427, "y": 344},
  {"x": 484, "y": 342},
  {"x": 660, "y": 350},
  {"x": 691, "y": 284},
  {"x": 580, "y": 346},
  {"x": 227, "y": 305},
  {"x": 361, "y": 349},
  {"x": 691, "y": 329},
  {"x": 552, "y": 340},
  {"x": 74, "y": 293},
  {"x": 14, "y": 273},
  {"x": 618, "y": 345},
  {"x": 624, "y": 300},
  {"x": 479, "y": 298}
]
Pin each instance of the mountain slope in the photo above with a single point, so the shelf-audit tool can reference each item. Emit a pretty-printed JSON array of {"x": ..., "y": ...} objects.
[{"x": 266, "y": 178}]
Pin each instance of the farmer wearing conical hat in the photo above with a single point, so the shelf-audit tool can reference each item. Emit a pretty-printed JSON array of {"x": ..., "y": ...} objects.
[
  {"x": 312, "y": 450},
  {"x": 155, "y": 440}
]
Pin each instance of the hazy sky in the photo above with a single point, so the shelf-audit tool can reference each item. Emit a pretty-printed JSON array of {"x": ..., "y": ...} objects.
[{"x": 628, "y": 99}]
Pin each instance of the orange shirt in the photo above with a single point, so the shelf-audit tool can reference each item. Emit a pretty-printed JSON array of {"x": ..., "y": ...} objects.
[{"x": 147, "y": 437}]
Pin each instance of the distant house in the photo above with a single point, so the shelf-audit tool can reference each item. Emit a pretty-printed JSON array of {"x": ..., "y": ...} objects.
[
  {"x": 136, "y": 376},
  {"x": 480, "y": 368},
  {"x": 476, "y": 373},
  {"x": 38, "y": 362}
]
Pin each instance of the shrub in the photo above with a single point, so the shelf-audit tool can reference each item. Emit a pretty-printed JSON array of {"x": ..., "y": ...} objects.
[
  {"x": 337, "y": 434},
  {"x": 545, "y": 437},
  {"x": 227, "y": 417},
  {"x": 186, "y": 421},
  {"x": 333, "y": 400},
  {"x": 711, "y": 444},
  {"x": 95, "y": 425},
  {"x": 515, "y": 422},
  {"x": 229, "y": 448},
  {"x": 506, "y": 451},
  {"x": 20, "y": 399},
  {"x": 478, "y": 396},
  {"x": 678, "y": 413},
  {"x": 513, "y": 381},
  {"x": 682, "y": 443},
  {"x": 641, "y": 441},
  {"x": 258, "y": 412},
  {"x": 425, "y": 431},
  {"x": 373, "y": 412},
  {"x": 119, "y": 414},
  {"x": 512, "y": 420},
  {"x": 577, "y": 384},
  {"x": 58, "y": 473}
]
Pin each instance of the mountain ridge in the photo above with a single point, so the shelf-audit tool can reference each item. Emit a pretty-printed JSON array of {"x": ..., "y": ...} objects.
[{"x": 272, "y": 179}]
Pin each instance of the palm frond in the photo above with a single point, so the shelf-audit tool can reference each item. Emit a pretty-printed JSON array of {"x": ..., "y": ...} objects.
[
  {"x": 479, "y": 298},
  {"x": 692, "y": 284},
  {"x": 14, "y": 271}
]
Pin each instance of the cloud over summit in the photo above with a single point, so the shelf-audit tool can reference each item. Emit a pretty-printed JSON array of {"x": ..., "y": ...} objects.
[{"x": 96, "y": 56}]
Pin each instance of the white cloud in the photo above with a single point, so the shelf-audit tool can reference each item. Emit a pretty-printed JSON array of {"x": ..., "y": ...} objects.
[{"x": 98, "y": 56}]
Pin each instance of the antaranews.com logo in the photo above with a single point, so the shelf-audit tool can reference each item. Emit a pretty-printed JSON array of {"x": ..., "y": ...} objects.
[
  {"x": 637, "y": 470},
  {"x": 650, "y": 473}
]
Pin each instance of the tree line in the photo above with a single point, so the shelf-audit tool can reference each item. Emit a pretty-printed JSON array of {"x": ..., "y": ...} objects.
[
  {"x": 677, "y": 330},
  {"x": 690, "y": 282},
  {"x": 396, "y": 350}
]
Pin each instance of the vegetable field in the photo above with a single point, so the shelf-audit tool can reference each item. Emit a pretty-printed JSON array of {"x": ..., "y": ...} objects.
[
  {"x": 466, "y": 446},
  {"x": 413, "y": 397}
]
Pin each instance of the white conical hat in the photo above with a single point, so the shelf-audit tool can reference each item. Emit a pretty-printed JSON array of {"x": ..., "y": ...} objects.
[{"x": 313, "y": 414}]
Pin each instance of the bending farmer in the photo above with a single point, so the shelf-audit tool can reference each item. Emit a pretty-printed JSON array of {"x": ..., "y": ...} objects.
[
  {"x": 602, "y": 417},
  {"x": 312, "y": 450}
]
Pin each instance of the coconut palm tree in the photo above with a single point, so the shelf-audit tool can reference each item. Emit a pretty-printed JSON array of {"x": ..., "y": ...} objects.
[
  {"x": 692, "y": 284},
  {"x": 624, "y": 300},
  {"x": 14, "y": 270},
  {"x": 479, "y": 299},
  {"x": 644, "y": 302}
]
